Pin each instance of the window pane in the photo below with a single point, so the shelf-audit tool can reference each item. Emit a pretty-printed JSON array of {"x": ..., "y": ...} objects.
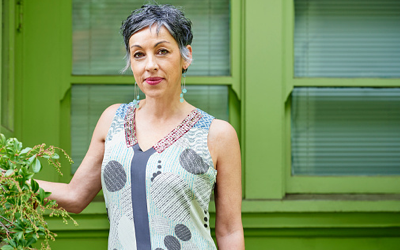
[
  {"x": 98, "y": 47},
  {"x": 346, "y": 131},
  {"x": 347, "y": 38},
  {"x": 89, "y": 101}
]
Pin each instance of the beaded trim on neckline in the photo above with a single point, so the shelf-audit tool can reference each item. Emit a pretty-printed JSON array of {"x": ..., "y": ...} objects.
[{"x": 168, "y": 140}]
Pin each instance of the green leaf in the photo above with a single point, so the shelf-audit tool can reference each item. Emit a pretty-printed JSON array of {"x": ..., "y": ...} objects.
[
  {"x": 7, "y": 247},
  {"x": 30, "y": 161},
  {"x": 36, "y": 166},
  {"x": 9, "y": 172},
  {"x": 2, "y": 140},
  {"x": 55, "y": 156},
  {"x": 25, "y": 151},
  {"x": 41, "y": 194},
  {"x": 34, "y": 186},
  {"x": 12, "y": 243},
  {"x": 18, "y": 145},
  {"x": 19, "y": 235},
  {"x": 47, "y": 194},
  {"x": 30, "y": 242}
]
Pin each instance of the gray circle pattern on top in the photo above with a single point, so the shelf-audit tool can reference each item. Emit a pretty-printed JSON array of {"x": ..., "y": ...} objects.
[
  {"x": 183, "y": 232},
  {"x": 114, "y": 176},
  {"x": 192, "y": 162},
  {"x": 172, "y": 243}
]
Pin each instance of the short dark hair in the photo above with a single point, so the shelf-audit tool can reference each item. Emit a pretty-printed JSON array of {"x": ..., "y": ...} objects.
[{"x": 172, "y": 18}]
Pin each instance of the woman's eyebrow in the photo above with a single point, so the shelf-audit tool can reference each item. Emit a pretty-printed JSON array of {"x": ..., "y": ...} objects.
[
  {"x": 160, "y": 42},
  {"x": 135, "y": 45}
]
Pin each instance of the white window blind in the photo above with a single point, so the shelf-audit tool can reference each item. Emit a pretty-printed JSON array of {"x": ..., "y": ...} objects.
[
  {"x": 89, "y": 101},
  {"x": 347, "y": 38},
  {"x": 345, "y": 131},
  {"x": 98, "y": 47}
]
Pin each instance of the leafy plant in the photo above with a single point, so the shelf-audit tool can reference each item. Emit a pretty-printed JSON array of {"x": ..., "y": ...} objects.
[{"x": 22, "y": 202}]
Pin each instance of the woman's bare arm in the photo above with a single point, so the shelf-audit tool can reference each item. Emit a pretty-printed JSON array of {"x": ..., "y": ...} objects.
[
  {"x": 86, "y": 182},
  {"x": 224, "y": 147}
]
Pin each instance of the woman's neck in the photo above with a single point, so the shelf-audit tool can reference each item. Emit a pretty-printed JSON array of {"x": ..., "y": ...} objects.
[{"x": 162, "y": 109}]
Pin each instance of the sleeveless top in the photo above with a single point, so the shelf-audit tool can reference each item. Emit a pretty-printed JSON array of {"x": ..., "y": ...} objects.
[{"x": 158, "y": 199}]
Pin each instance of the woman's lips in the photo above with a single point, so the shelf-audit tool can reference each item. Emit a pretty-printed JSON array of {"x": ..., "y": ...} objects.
[{"x": 153, "y": 80}]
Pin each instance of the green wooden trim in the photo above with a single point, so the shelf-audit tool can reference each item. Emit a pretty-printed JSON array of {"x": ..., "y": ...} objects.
[
  {"x": 296, "y": 204},
  {"x": 235, "y": 121},
  {"x": 6, "y": 132},
  {"x": 243, "y": 103},
  {"x": 266, "y": 219},
  {"x": 8, "y": 34},
  {"x": 65, "y": 136},
  {"x": 321, "y": 206},
  {"x": 1, "y": 56},
  {"x": 65, "y": 8},
  {"x": 264, "y": 109},
  {"x": 288, "y": 43},
  {"x": 43, "y": 44},
  {"x": 18, "y": 75},
  {"x": 340, "y": 82},
  {"x": 235, "y": 40},
  {"x": 264, "y": 232},
  {"x": 343, "y": 184},
  {"x": 322, "y": 232},
  {"x": 81, "y": 234}
]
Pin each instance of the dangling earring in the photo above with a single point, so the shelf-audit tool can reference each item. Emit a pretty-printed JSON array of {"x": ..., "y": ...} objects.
[
  {"x": 136, "y": 93},
  {"x": 183, "y": 87}
]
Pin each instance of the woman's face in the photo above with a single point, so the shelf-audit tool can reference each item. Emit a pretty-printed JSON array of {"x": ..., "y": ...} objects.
[{"x": 156, "y": 62}]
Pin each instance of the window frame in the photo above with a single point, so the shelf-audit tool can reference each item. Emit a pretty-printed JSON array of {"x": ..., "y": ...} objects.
[{"x": 325, "y": 184}]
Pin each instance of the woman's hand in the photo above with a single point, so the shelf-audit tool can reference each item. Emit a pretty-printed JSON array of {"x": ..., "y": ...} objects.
[{"x": 224, "y": 148}]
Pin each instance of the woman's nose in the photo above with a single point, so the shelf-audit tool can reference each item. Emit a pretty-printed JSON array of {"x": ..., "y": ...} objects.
[{"x": 151, "y": 63}]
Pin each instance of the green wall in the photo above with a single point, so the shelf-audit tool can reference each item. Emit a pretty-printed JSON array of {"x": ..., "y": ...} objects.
[{"x": 279, "y": 212}]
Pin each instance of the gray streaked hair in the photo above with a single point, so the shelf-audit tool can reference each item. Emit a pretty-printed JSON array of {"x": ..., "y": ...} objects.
[{"x": 165, "y": 15}]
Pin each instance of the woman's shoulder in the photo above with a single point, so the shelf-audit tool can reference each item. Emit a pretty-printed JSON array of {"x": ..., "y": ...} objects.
[
  {"x": 114, "y": 111},
  {"x": 222, "y": 130},
  {"x": 222, "y": 140}
]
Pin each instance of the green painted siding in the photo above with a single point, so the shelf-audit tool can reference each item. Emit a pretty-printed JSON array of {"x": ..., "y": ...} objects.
[{"x": 279, "y": 211}]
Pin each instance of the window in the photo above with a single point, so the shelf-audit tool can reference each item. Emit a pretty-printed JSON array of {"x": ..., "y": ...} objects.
[
  {"x": 345, "y": 131},
  {"x": 347, "y": 38},
  {"x": 98, "y": 47},
  {"x": 343, "y": 84},
  {"x": 98, "y": 57}
]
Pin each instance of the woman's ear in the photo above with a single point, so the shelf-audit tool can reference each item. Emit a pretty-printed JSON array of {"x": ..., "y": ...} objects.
[{"x": 187, "y": 63}]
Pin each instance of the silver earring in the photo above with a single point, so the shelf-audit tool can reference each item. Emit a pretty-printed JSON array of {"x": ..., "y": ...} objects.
[
  {"x": 136, "y": 93},
  {"x": 183, "y": 87}
]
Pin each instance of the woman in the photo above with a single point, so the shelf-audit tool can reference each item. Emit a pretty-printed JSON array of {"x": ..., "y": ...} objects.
[{"x": 157, "y": 159}]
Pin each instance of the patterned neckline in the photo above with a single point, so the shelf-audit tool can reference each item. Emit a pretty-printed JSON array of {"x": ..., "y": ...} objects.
[{"x": 185, "y": 125}]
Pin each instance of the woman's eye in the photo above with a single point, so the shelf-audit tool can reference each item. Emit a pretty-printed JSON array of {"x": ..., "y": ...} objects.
[
  {"x": 138, "y": 55},
  {"x": 162, "y": 52}
]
